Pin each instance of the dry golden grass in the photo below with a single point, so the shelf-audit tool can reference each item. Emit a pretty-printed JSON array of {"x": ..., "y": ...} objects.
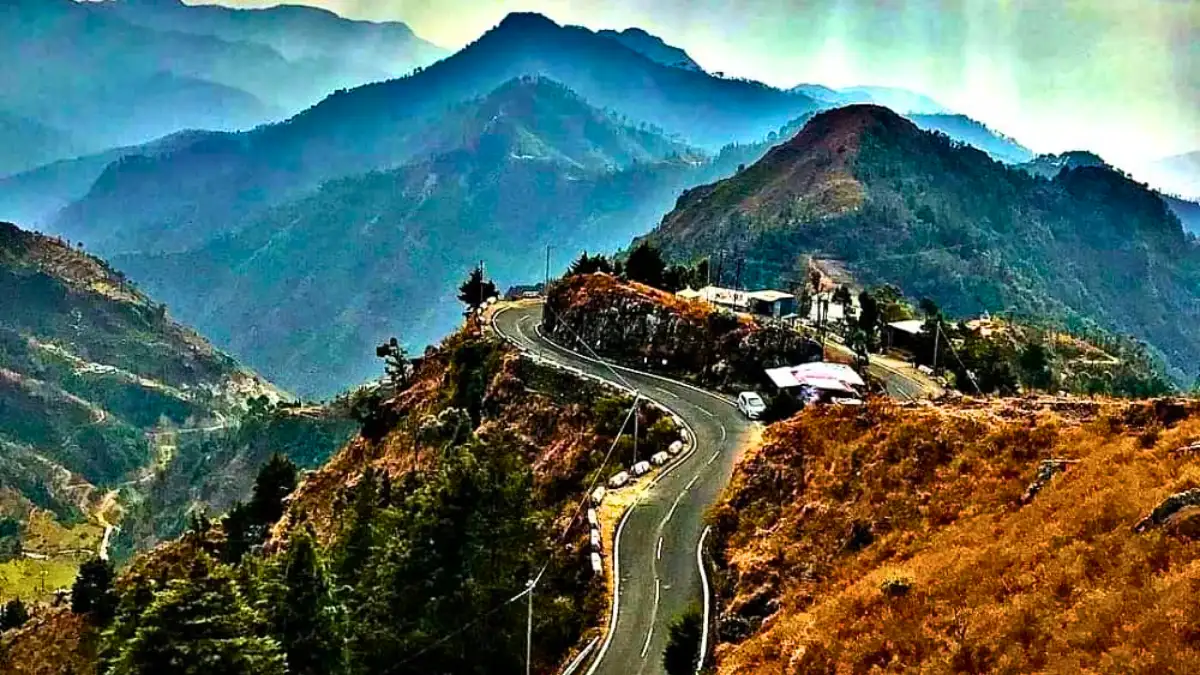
[{"x": 838, "y": 502}]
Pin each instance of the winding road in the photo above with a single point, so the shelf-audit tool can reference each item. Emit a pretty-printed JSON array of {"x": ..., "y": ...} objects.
[
  {"x": 657, "y": 572},
  {"x": 656, "y": 558}
]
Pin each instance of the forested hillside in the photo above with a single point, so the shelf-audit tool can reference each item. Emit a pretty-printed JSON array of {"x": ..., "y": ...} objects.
[
  {"x": 402, "y": 554},
  {"x": 1089, "y": 247}
]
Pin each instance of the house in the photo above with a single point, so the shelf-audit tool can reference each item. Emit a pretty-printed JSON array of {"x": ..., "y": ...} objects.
[
  {"x": 524, "y": 292},
  {"x": 819, "y": 382},
  {"x": 904, "y": 335},
  {"x": 825, "y": 310},
  {"x": 775, "y": 304}
]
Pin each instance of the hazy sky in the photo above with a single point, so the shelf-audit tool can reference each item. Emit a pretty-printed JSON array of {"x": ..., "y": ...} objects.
[{"x": 1121, "y": 77}]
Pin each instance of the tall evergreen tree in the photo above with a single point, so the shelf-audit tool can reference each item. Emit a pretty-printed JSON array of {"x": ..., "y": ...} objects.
[
  {"x": 15, "y": 615},
  {"x": 646, "y": 266},
  {"x": 200, "y": 625},
  {"x": 304, "y": 615},
  {"x": 92, "y": 593},
  {"x": 683, "y": 643},
  {"x": 476, "y": 290}
]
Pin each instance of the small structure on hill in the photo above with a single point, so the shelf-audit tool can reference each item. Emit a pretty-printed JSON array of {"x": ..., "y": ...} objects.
[
  {"x": 771, "y": 303},
  {"x": 819, "y": 382}
]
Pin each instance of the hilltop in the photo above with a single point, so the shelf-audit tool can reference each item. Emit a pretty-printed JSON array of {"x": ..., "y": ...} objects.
[
  {"x": 1089, "y": 247},
  {"x": 985, "y": 537}
]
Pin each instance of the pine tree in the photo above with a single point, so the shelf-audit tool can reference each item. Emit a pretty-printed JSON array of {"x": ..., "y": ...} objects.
[
  {"x": 476, "y": 290},
  {"x": 305, "y": 616},
  {"x": 92, "y": 593},
  {"x": 15, "y": 615},
  {"x": 683, "y": 643},
  {"x": 646, "y": 266},
  {"x": 197, "y": 626}
]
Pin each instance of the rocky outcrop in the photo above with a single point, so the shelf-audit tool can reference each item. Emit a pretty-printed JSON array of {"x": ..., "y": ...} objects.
[
  {"x": 653, "y": 330},
  {"x": 1169, "y": 507},
  {"x": 1047, "y": 470}
]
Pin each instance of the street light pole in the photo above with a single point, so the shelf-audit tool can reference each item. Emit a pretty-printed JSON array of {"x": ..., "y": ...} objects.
[{"x": 529, "y": 633}]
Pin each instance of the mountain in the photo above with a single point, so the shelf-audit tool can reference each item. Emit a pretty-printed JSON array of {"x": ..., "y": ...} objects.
[
  {"x": 195, "y": 192},
  {"x": 350, "y": 52},
  {"x": 1090, "y": 247},
  {"x": 1187, "y": 211},
  {"x": 306, "y": 290},
  {"x": 1049, "y": 166},
  {"x": 903, "y": 101},
  {"x": 972, "y": 132},
  {"x": 34, "y": 197},
  {"x": 29, "y": 143},
  {"x": 1178, "y": 175},
  {"x": 119, "y": 73},
  {"x": 653, "y": 48},
  {"x": 87, "y": 365}
]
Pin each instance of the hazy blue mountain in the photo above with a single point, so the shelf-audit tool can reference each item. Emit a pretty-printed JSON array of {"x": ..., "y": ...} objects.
[
  {"x": 903, "y": 101},
  {"x": 345, "y": 52},
  {"x": 106, "y": 82},
  {"x": 28, "y": 143},
  {"x": 1179, "y": 175},
  {"x": 972, "y": 132},
  {"x": 196, "y": 192},
  {"x": 1089, "y": 247},
  {"x": 305, "y": 290},
  {"x": 1187, "y": 211},
  {"x": 1048, "y": 166},
  {"x": 653, "y": 47},
  {"x": 34, "y": 197}
]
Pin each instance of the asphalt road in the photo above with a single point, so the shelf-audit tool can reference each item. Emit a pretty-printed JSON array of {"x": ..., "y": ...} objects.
[{"x": 658, "y": 572}]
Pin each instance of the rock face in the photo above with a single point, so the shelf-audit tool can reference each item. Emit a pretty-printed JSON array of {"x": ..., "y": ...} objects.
[
  {"x": 1171, "y": 509},
  {"x": 1185, "y": 523},
  {"x": 650, "y": 329}
]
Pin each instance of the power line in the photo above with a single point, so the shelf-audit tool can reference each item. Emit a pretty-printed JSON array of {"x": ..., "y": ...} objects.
[{"x": 532, "y": 584}]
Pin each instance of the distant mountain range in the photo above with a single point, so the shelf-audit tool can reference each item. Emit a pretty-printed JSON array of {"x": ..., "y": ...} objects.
[
  {"x": 530, "y": 165},
  {"x": 903, "y": 101},
  {"x": 387, "y": 193},
  {"x": 653, "y": 48},
  {"x": 109, "y": 74},
  {"x": 1088, "y": 247},
  {"x": 1178, "y": 175}
]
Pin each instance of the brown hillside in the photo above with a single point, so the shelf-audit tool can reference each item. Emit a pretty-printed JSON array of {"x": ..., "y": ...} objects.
[
  {"x": 909, "y": 540},
  {"x": 809, "y": 176}
]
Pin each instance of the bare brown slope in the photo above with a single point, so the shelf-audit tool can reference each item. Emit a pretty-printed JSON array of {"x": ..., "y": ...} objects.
[
  {"x": 907, "y": 540},
  {"x": 809, "y": 176}
]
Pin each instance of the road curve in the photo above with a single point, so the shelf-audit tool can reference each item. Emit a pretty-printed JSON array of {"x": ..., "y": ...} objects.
[{"x": 656, "y": 544}]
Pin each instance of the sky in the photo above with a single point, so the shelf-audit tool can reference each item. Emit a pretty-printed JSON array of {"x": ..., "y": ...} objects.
[{"x": 1119, "y": 77}]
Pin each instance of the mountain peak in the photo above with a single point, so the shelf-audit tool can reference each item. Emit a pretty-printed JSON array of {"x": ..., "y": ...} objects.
[
  {"x": 526, "y": 21},
  {"x": 653, "y": 48}
]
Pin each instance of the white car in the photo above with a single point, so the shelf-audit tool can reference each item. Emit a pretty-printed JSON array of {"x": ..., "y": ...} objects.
[
  {"x": 641, "y": 469},
  {"x": 751, "y": 405}
]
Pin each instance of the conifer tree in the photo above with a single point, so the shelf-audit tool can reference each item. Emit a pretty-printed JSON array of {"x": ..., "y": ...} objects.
[
  {"x": 15, "y": 615},
  {"x": 92, "y": 593},
  {"x": 200, "y": 625},
  {"x": 305, "y": 617}
]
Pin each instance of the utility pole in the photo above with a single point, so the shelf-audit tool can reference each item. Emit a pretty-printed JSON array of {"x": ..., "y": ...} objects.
[
  {"x": 937, "y": 334},
  {"x": 529, "y": 632},
  {"x": 636, "y": 399},
  {"x": 720, "y": 267},
  {"x": 546, "y": 287},
  {"x": 737, "y": 279}
]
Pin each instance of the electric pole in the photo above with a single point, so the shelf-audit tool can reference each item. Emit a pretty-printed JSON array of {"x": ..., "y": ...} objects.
[
  {"x": 737, "y": 278},
  {"x": 636, "y": 399},
  {"x": 546, "y": 287},
  {"x": 529, "y": 632},
  {"x": 937, "y": 334}
]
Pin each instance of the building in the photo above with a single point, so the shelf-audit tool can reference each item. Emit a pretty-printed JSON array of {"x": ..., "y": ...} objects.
[
  {"x": 825, "y": 310},
  {"x": 775, "y": 304},
  {"x": 522, "y": 292},
  {"x": 819, "y": 382},
  {"x": 904, "y": 335}
]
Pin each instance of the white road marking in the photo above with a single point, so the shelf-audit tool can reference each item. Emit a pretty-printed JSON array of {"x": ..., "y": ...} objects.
[
  {"x": 724, "y": 433},
  {"x": 704, "y": 411},
  {"x": 671, "y": 513},
  {"x": 653, "y": 616},
  {"x": 668, "y": 393},
  {"x": 713, "y": 458},
  {"x": 693, "y": 482},
  {"x": 658, "y": 555},
  {"x": 707, "y": 600}
]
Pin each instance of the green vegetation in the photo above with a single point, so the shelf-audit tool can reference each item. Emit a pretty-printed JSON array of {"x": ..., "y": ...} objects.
[
  {"x": 1089, "y": 249},
  {"x": 14, "y": 615},
  {"x": 683, "y": 647}
]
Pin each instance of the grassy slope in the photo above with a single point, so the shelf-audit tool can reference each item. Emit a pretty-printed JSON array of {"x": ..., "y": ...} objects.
[{"x": 838, "y": 501}]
